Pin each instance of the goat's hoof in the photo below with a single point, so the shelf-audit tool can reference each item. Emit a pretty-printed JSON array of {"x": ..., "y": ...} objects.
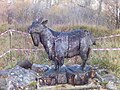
[
  {"x": 55, "y": 69},
  {"x": 83, "y": 69}
]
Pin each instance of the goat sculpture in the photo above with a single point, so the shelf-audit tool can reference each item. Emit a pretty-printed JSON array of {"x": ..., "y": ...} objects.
[{"x": 60, "y": 45}]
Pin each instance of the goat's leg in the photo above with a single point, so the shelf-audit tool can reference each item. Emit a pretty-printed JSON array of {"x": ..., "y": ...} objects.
[
  {"x": 84, "y": 59},
  {"x": 60, "y": 62},
  {"x": 56, "y": 64},
  {"x": 84, "y": 56}
]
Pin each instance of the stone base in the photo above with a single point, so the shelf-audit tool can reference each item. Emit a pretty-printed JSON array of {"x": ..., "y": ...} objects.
[{"x": 67, "y": 75}]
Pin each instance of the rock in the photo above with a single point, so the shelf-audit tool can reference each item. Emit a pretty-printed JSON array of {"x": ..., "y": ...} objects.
[
  {"x": 3, "y": 83},
  {"x": 25, "y": 64},
  {"x": 11, "y": 86},
  {"x": 118, "y": 81},
  {"x": 111, "y": 86},
  {"x": 103, "y": 71},
  {"x": 61, "y": 78},
  {"x": 52, "y": 77},
  {"x": 70, "y": 78},
  {"x": 112, "y": 80},
  {"x": 109, "y": 77},
  {"x": 78, "y": 69},
  {"x": 40, "y": 68},
  {"x": 19, "y": 77},
  {"x": 81, "y": 79},
  {"x": 42, "y": 81},
  {"x": 92, "y": 74},
  {"x": 66, "y": 74},
  {"x": 4, "y": 73}
]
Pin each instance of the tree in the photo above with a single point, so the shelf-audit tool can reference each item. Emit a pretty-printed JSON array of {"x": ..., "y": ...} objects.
[
  {"x": 112, "y": 11},
  {"x": 99, "y": 10}
]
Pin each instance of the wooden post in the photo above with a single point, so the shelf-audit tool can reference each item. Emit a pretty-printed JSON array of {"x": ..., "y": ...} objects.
[{"x": 10, "y": 47}]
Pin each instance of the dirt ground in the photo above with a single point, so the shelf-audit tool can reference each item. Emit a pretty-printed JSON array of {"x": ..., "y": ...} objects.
[{"x": 68, "y": 87}]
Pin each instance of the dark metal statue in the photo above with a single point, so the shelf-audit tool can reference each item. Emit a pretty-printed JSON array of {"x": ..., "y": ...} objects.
[{"x": 60, "y": 45}]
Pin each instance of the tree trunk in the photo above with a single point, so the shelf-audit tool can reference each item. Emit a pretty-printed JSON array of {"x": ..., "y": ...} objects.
[
  {"x": 117, "y": 15},
  {"x": 99, "y": 12}
]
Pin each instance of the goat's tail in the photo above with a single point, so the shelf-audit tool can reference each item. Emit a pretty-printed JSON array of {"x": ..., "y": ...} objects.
[{"x": 94, "y": 43}]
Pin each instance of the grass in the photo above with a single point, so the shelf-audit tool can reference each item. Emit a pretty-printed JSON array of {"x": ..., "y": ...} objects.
[
  {"x": 108, "y": 60},
  {"x": 104, "y": 59},
  {"x": 98, "y": 31},
  {"x": 16, "y": 26},
  {"x": 108, "y": 43}
]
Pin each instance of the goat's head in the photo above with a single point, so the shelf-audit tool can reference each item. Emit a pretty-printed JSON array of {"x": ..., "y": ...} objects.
[
  {"x": 90, "y": 38},
  {"x": 37, "y": 26},
  {"x": 35, "y": 29}
]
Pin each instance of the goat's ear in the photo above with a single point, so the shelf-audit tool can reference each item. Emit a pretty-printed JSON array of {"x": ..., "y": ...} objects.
[
  {"x": 44, "y": 22},
  {"x": 40, "y": 19}
]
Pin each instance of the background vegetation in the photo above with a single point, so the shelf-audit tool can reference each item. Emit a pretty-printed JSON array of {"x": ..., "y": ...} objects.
[{"x": 102, "y": 17}]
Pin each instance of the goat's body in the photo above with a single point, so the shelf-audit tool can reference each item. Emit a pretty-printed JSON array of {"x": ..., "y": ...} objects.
[{"x": 60, "y": 45}]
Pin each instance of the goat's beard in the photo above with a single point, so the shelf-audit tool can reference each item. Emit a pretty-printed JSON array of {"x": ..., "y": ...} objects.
[{"x": 35, "y": 38}]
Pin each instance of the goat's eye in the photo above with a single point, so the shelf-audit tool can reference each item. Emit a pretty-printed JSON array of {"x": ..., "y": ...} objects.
[{"x": 35, "y": 24}]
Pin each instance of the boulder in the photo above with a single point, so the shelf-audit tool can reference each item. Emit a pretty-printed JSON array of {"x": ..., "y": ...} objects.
[
  {"x": 109, "y": 77},
  {"x": 40, "y": 68},
  {"x": 67, "y": 74},
  {"x": 3, "y": 83},
  {"x": 19, "y": 77},
  {"x": 111, "y": 86},
  {"x": 25, "y": 64}
]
